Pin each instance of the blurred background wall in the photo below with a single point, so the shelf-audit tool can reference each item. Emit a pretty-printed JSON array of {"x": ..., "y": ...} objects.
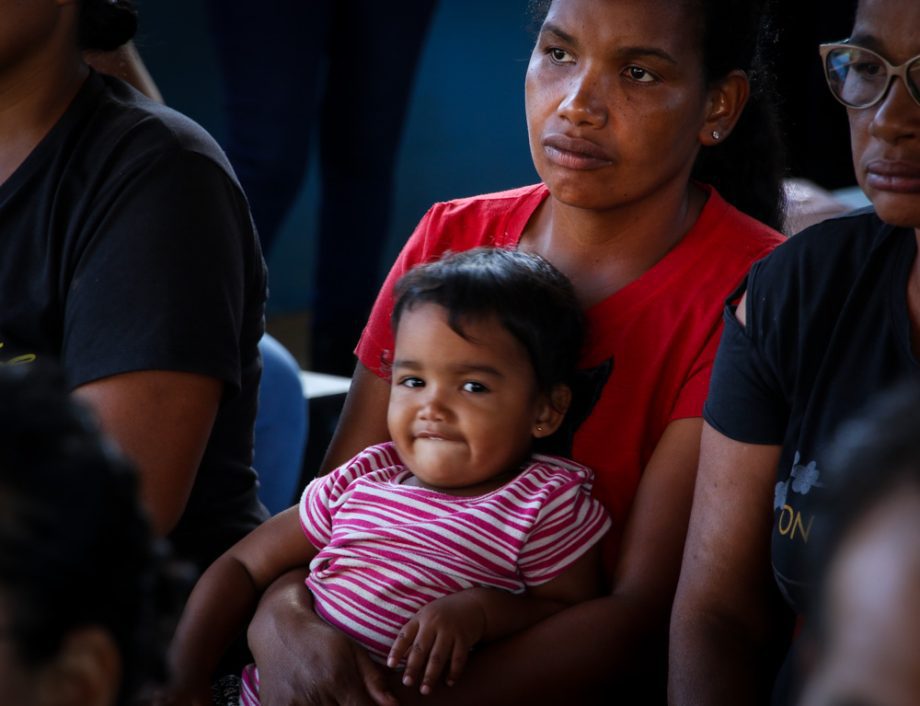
[{"x": 465, "y": 133}]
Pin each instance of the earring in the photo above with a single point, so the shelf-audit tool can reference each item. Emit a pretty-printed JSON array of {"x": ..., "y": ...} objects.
[
  {"x": 539, "y": 428},
  {"x": 716, "y": 135}
]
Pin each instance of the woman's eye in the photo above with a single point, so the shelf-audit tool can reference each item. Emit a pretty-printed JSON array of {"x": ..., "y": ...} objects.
[
  {"x": 639, "y": 75},
  {"x": 412, "y": 382},
  {"x": 868, "y": 69},
  {"x": 559, "y": 56},
  {"x": 473, "y": 386}
]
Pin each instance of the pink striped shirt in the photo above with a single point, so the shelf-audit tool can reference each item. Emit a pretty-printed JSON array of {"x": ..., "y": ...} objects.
[{"x": 388, "y": 549}]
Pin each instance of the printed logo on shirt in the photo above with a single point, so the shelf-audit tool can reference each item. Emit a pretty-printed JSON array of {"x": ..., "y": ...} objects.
[
  {"x": 791, "y": 523},
  {"x": 16, "y": 360}
]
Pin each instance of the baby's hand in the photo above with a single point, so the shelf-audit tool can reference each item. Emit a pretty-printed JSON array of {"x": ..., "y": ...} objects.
[{"x": 440, "y": 634}]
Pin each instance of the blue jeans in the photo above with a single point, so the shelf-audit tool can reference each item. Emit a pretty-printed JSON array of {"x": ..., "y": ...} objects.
[{"x": 345, "y": 69}]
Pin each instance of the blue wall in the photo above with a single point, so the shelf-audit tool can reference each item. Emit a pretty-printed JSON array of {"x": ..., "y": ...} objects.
[{"x": 465, "y": 133}]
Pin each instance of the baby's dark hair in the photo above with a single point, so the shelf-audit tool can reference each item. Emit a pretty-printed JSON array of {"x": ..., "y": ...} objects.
[
  {"x": 75, "y": 547},
  {"x": 106, "y": 24},
  {"x": 873, "y": 457},
  {"x": 531, "y": 299}
]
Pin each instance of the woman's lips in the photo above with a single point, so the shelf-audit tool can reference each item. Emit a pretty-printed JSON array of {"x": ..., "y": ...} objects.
[
  {"x": 900, "y": 177},
  {"x": 575, "y": 152}
]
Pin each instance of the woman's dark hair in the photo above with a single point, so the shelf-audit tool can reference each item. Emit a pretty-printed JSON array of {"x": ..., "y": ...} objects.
[
  {"x": 106, "y": 24},
  {"x": 75, "y": 547},
  {"x": 748, "y": 167},
  {"x": 873, "y": 457},
  {"x": 531, "y": 299}
]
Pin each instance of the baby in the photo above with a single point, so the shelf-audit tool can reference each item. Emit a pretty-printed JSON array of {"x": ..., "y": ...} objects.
[{"x": 416, "y": 545}]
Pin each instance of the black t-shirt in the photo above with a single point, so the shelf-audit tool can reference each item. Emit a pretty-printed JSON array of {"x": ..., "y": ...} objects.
[
  {"x": 127, "y": 245},
  {"x": 826, "y": 329}
]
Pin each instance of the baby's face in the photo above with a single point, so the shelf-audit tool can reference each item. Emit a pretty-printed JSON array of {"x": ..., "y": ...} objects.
[
  {"x": 463, "y": 411},
  {"x": 870, "y": 654}
]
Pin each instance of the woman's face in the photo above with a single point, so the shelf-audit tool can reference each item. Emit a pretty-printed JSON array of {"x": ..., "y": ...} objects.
[
  {"x": 616, "y": 100},
  {"x": 886, "y": 137}
]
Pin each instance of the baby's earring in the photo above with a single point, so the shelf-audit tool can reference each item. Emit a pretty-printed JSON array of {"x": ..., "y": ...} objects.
[{"x": 540, "y": 428}]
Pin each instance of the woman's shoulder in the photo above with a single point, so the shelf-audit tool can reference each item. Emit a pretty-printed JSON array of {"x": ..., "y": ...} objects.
[
  {"x": 497, "y": 209},
  {"x": 836, "y": 246},
  {"x": 734, "y": 232},
  {"x": 124, "y": 127},
  {"x": 815, "y": 270}
]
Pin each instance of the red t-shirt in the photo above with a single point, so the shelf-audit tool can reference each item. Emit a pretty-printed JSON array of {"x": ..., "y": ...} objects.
[{"x": 661, "y": 330}]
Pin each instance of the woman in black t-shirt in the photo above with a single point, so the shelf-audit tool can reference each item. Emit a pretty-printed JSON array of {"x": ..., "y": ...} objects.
[
  {"x": 128, "y": 255},
  {"x": 823, "y": 323}
]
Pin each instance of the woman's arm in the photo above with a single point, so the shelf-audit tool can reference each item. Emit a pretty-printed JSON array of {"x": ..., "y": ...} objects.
[
  {"x": 162, "y": 421},
  {"x": 439, "y": 637},
  {"x": 302, "y": 659},
  {"x": 227, "y": 594},
  {"x": 577, "y": 655},
  {"x": 363, "y": 422},
  {"x": 587, "y": 646},
  {"x": 725, "y": 608}
]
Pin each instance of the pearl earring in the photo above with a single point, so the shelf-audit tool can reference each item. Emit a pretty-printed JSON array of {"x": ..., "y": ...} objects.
[{"x": 716, "y": 135}]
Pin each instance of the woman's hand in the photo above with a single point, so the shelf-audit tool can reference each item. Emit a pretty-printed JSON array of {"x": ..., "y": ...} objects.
[{"x": 303, "y": 661}]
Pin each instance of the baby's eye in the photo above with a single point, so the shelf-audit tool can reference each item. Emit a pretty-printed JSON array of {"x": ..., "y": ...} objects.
[
  {"x": 639, "y": 75},
  {"x": 559, "y": 56},
  {"x": 473, "y": 386},
  {"x": 410, "y": 381}
]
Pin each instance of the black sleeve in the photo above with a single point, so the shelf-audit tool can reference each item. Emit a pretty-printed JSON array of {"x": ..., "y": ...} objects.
[
  {"x": 164, "y": 266},
  {"x": 746, "y": 400}
]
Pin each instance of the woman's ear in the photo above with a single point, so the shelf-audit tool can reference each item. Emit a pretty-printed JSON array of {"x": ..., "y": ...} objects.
[
  {"x": 551, "y": 411},
  {"x": 85, "y": 672},
  {"x": 724, "y": 105}
]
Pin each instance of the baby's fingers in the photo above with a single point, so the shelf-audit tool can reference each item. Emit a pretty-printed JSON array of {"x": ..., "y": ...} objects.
[
  {"x": 457, "y": 661},
  {"x": 439, "y": 657},
  {"x": 417, "y": 657},
  {"x": 402, "y": 644}
]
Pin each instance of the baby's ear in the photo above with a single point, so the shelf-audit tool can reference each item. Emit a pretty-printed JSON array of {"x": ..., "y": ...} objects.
[{"x": 551, "y": 411}]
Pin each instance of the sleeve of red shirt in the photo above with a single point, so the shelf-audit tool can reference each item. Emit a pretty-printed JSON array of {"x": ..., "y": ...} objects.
[{"x": 375, "y": 347}]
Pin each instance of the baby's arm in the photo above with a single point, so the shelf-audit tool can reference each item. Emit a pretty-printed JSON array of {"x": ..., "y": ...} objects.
[
  {"x": 442, "y": 633},
  {"x": 226, "y": 596}
]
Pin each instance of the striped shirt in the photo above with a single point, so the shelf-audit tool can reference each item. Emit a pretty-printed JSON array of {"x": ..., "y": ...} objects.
[{"x": 387, "y": 549}]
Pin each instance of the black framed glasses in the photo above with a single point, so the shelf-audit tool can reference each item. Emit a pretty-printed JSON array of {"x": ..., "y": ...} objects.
[{"x": 859, "y": 77}]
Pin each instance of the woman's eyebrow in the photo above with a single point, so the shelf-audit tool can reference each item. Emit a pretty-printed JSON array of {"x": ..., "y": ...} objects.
[
  {"x": 550, "y": 28},
  {"x": 636, "y": 51},
  {"x": 866, "y": 41},
  {"x": 620, "y": 53}
]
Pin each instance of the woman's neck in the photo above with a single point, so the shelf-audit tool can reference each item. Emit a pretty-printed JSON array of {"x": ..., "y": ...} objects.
[
  {"x": 603, "y": 251},
  {"x": 33, "y": 97}
]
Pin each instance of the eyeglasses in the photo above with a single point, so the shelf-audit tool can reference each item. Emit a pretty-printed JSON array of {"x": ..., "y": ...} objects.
[{"x": 859, "y": 78}]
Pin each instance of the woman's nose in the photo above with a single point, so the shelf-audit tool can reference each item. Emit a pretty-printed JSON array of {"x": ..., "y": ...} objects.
[
  {"x": 584, "y": 102},
  {"x": 898, "y": 115}
]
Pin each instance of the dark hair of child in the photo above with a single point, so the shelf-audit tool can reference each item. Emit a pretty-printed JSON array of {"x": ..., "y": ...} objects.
[
  {"x": 748, "y": 167},
  {"x": 529, "y": 297},
  {"x": 106, "y": 24},
  {"x": 75, "y": 546}
]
